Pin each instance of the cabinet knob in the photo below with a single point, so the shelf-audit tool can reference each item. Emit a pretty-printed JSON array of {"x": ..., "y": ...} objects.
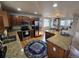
[{"x": 54, "y": 49}]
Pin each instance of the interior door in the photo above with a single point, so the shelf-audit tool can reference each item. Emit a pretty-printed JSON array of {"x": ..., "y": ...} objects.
[{"x": 1, "y": 24}]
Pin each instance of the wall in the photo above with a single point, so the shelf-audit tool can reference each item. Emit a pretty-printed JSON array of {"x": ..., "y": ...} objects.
[
  {"x": 0, "y": 6},
  {"x": 5, "y": 19},
  {"x": 75, "y": 40}
]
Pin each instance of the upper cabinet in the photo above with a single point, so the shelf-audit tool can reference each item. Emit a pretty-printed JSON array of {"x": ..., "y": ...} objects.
[
  {"x": 1, "y": 24},
  {"x": 3, "y": 20},
  {"x": 19, "y": 20},
  {"x": 3, "y": 14}
]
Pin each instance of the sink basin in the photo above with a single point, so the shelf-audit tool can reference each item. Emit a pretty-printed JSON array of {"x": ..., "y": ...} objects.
[{"x": 48, "y": 35}]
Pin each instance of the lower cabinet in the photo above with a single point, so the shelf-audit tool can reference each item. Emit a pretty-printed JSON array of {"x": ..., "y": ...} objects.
[{"x": 55, "y": 51}]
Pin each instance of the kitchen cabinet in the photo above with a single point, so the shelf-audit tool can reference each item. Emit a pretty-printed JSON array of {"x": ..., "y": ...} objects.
[
  {"x": 1, "y": 24},
  {"x": 55, "y": 51}
]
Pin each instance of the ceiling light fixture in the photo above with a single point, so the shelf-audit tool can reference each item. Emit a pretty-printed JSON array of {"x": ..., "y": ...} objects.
[
  {"x": 19, "y": 9},
  {"x": 55, "y": 5},
  {"x": 35, "y": 13}
]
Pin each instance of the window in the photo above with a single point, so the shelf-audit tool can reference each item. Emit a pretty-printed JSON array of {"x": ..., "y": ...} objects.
[
  {"x": 62, "y": 23},
  {"x": 46, "y": 22},
  {"x": 65, "y": 22}
]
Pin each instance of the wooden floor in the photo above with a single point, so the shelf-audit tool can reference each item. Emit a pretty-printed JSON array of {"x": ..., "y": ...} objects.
[
  {"x": 27, "y": 40},
  {"x": 74, "y": 52}
]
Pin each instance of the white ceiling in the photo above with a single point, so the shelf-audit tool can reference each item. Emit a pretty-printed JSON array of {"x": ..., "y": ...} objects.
[{"x": 65, "y": 8}]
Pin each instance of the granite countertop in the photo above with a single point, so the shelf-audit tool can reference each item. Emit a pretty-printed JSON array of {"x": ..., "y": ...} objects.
[
  {"x": 59, "y": 40},
  {"x": 14, "y": 49}
]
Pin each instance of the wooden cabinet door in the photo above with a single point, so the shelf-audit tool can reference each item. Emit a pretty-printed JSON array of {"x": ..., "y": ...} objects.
[
  {"x": 54, "y": 51},
  {"x": 1, "y": 24},
  {"x": 49, "y": 50},
  {"x": 61, "y": 53}
]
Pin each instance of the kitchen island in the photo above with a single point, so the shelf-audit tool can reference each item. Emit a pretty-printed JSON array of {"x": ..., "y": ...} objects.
[{"x": 58, "y": 45}]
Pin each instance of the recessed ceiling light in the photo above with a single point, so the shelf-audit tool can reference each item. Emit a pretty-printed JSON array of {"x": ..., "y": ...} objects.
[
  {"x": 19, "y": 9},
  {"x": 55, "y": 5},
  {"x": 35, "y": 12}
]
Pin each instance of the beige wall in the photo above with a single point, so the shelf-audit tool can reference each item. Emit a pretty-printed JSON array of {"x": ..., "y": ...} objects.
[{"x": 5, "y": 19}]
